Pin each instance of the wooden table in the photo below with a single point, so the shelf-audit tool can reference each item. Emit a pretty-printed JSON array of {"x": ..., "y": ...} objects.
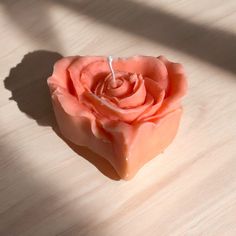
[{"x": 49, "y": 188}]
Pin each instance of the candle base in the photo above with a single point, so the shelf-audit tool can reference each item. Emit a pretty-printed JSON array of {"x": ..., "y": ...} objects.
[{"x": 131, "y": 147}]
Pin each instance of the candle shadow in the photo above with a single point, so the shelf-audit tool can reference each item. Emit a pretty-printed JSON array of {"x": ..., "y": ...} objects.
[{"x": 27, "y": 83}]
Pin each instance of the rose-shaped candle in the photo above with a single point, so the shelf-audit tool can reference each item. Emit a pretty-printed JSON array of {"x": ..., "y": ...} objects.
[{"x": 127, "y": 117}]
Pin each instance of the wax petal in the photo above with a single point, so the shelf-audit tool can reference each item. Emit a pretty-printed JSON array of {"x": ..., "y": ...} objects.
[
  {"x": 76, "y": 68},
  {"x": 136, "y": 144},
  {"x": 68, "y": 106},
  {"x": 93, "y": 73},
  {"x": 122, "y": 135},
  {"x": 123, "y": 89},
  {"x": 136, "y": 98},
  {"x": 176, "y": 90},
  {"x": 152, "y": 139},
  {"x": 146, "y": 66},
  {"x": 106, "y": 88},
  {"x": 69, "y": 103},
  {"x": 157, "y": 93},
  {"x": 111, "y": 111},
  {"x": 60, "y": 76}
]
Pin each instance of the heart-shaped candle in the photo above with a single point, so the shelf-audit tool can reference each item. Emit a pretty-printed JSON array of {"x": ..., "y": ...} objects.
[{"x": 126, "y": 110}]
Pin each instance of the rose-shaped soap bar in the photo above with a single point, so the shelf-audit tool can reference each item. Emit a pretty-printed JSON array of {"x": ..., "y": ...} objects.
[{"x": 129, "y": 120}]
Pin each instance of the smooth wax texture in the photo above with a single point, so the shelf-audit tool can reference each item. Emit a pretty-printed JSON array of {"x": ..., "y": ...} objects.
[{"x": 127, "y": 122}]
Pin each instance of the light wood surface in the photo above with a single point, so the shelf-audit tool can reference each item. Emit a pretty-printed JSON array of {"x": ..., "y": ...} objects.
[{"x": 48, "y": 187}]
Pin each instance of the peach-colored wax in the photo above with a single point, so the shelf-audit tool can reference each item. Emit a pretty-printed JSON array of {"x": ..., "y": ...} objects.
[{"x": 127, "y": 122}]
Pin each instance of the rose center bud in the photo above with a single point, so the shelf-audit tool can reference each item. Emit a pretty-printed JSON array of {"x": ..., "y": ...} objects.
[
  {"x": 122, "y": 88},
  {"x": 129, "y": 91},
  {"x": 111, "y": 85}
]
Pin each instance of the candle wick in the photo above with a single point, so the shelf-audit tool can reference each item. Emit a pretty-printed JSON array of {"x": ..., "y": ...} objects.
[{"x": 110, "y": 59}]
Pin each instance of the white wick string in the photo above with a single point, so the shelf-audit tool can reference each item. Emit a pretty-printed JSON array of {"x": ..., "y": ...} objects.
[{"x": 111, "y": 68}]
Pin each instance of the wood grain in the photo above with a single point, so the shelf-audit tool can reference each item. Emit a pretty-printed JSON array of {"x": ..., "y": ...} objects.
[{"x": 50, "y": 187}]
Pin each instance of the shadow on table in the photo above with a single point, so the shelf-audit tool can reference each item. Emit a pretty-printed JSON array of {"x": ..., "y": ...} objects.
[
  {"x": 207, "y": 43},
  {"x": 31, "y": 205},
  {"x": 204, "y": 42},
  {"x": 27, "y": 83},
  {"x": 33, "y": 18}
]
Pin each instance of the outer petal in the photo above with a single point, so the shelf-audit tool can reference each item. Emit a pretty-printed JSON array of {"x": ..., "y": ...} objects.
[
  {"x": 70, "y": 105},
  {"x": 157, "y": 93},
  {"x": 122, "y": 135},
  {"x": 134, "y": 145},
  {"x": 60, "y": 76},
  {"x": 113, "y": 112},
  {"x": 94, "y": 73},
  {"x": 176, "y": 90},
  {"x": 79, "y": 66},
  {"x": 80, "y": 126},
  {"x": 177, "y": 79}
]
